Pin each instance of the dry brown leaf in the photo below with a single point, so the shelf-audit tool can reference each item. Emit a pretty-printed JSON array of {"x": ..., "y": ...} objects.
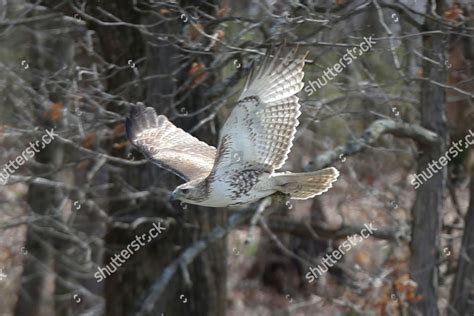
[
  {"x": 121, "y": 145},
  {"x": 88, "y": 141},
  {"x": 54, "y": 112},
  {"x": 118, "y": 130},
  {"x": 220, "y": 34},
  {"x": 197, "y": 71},
  {"x": 454, "y": 12},
  {"x": 362, "y": 258},
  {"x": 164, "y": 11}
]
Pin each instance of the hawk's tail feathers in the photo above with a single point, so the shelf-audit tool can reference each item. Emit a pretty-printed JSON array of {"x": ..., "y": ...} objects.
[{"x": 302, "y": 186}]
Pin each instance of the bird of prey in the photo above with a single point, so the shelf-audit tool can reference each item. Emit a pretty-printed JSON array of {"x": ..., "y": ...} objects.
[{"x": 253, "y": 143}]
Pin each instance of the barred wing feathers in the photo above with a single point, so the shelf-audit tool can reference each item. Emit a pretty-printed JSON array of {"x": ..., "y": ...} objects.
[
  {"x": 262, "y": 125},
  {"x": 169, "y": 146}
]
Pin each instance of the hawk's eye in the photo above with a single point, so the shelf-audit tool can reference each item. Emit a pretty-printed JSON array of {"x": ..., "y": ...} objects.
[{"x": 185, "y": 191}]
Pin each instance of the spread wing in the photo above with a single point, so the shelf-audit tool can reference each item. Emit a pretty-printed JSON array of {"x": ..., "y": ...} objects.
[
  {"x": 168, "y": 146},
  {"x": 261, "y": 127}
]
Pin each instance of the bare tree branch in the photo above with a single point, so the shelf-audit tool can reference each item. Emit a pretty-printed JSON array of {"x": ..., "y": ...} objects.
[{"x": 371, "y": 135}]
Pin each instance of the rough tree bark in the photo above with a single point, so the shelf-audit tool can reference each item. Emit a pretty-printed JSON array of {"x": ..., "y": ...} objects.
[
  {"x": 462, "y": 291},
  {"x": 125, "y": 289},
  {"x": 428, "y": 206}
]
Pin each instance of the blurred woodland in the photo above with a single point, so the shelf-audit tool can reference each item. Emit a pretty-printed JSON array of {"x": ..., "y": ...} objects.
[{"x": 77, "y": 66}]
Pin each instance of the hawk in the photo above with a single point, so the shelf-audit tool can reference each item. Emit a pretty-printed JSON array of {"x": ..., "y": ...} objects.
[{"x": 253, "y": 143}]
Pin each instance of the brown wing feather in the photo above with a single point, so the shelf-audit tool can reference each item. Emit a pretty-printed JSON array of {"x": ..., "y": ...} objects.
[{"x": 169, "y": 146}]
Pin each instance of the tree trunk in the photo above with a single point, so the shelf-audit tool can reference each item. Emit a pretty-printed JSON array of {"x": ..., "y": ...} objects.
[
  {"x": 428, "y": 204},
  {"x": 462, "y": 291},
  {"x": 43, "y": 201},
  {"x": 125, "y": 288},
  {"x": 33, "y": 297}
]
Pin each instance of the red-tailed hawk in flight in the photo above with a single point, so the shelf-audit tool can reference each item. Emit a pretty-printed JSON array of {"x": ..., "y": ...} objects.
[{"x": 254, "y": 142}]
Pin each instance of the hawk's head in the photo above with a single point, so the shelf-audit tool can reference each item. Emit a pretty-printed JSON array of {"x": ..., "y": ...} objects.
[{"x": 187, "y": 192}]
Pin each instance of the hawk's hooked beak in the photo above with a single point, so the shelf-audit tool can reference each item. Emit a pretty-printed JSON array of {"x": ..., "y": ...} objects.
[{"x": 173, "y": 196}]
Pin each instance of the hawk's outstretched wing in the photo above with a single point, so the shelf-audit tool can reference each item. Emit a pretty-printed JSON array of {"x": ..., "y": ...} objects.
[
  {"x": 261, "y": 127},
  {"x": 168, "y": 146}
]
